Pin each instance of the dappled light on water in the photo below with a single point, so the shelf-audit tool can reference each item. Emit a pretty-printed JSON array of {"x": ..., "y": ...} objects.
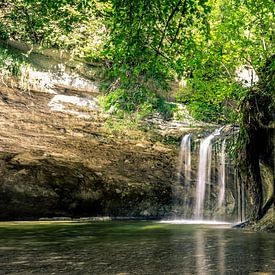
[{"x": 206, "y": 222}]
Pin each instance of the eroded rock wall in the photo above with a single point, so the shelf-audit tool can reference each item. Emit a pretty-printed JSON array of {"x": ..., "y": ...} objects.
[{"x": 57, "y": 164}]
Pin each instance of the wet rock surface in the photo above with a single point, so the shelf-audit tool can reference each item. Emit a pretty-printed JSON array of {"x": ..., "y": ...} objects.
[{"x": 54, "y": 163}]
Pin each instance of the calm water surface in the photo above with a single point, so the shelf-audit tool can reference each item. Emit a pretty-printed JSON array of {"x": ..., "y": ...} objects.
[{"x": 132, "y": 248}]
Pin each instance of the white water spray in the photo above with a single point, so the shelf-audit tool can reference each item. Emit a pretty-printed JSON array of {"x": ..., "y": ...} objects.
[
  {"x": 184, "y": 171},
  {"x": 206, "y": 205},
  {"x": 222, "y": 176},
  {"x": 185, "y": 158},
  {"x": 204, "y": 172}
]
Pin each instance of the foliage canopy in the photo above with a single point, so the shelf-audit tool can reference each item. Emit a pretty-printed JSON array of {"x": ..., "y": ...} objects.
[{"x": 150, "y": 44}]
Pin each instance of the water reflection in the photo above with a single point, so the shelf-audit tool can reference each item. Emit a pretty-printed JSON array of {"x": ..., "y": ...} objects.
[
  {"x": 210, "y": 253},
  {"x": 221, "y": 251},
  {"x": 134, "y": 248},
  {"x": 200, "y": 252}
]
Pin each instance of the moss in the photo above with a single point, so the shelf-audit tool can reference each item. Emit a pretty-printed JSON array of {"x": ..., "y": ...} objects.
[
  {"x": 255, "y": 141},
  {"x": 267, "y": 223}
]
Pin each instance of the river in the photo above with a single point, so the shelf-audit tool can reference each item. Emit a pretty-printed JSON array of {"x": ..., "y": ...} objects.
[{"x": 132, "y": 247}]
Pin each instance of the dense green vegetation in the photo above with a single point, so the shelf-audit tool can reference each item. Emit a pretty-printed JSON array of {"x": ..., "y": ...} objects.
[
  {"x": 160, "y": 52},
  {"x": 76, "y": 25},
  {"x": 149, "y": 46},
  {"x": 10, "y": 64}
]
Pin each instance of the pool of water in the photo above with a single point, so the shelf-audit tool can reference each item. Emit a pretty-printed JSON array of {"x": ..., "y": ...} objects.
[{"x": 132, "y": 247}]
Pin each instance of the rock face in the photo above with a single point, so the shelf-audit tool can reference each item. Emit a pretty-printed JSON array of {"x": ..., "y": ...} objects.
[
  {"x": 59, "y": 164},
  {"x": 57, "y": 158}
]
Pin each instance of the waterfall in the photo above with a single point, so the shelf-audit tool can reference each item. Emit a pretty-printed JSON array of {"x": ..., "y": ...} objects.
[
  {"x": 185, "y": 159},
  {"x": 204, "y": 172},
  {"x": 240, "y": 199},
  {"x": 222, "y": 176},
  {"x": 242, "y": 202},
  {"x": 184, "y": 171},
  {"x": 215, "y": 193}
]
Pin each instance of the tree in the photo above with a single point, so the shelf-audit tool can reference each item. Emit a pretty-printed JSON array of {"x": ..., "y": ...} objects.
[
  {"x": 75, "y": 25},
  {"x": 150, "y": 44},
  {"x": 147, "y": 44},
  {"x": 204, "y": 42}
]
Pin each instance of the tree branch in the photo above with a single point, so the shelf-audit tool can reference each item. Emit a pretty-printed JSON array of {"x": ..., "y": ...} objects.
[
  {"x": 167, "y": 24},
  {"x": 158, "y": 52},
  {"x": 183, "y": 13}
]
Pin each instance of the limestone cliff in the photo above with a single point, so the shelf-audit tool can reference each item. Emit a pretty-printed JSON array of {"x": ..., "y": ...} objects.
[{"x": 59, "y": 163}]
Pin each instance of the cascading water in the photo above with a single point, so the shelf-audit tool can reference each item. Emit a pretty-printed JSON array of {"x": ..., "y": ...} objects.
[
  {"x": 224, "y": 196},
  {"x": 222, "y": 176},
  {"x": 240, "y": 199},
  {"x": 204, "y": 172},
  {"x": 184, "y": 169}
]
